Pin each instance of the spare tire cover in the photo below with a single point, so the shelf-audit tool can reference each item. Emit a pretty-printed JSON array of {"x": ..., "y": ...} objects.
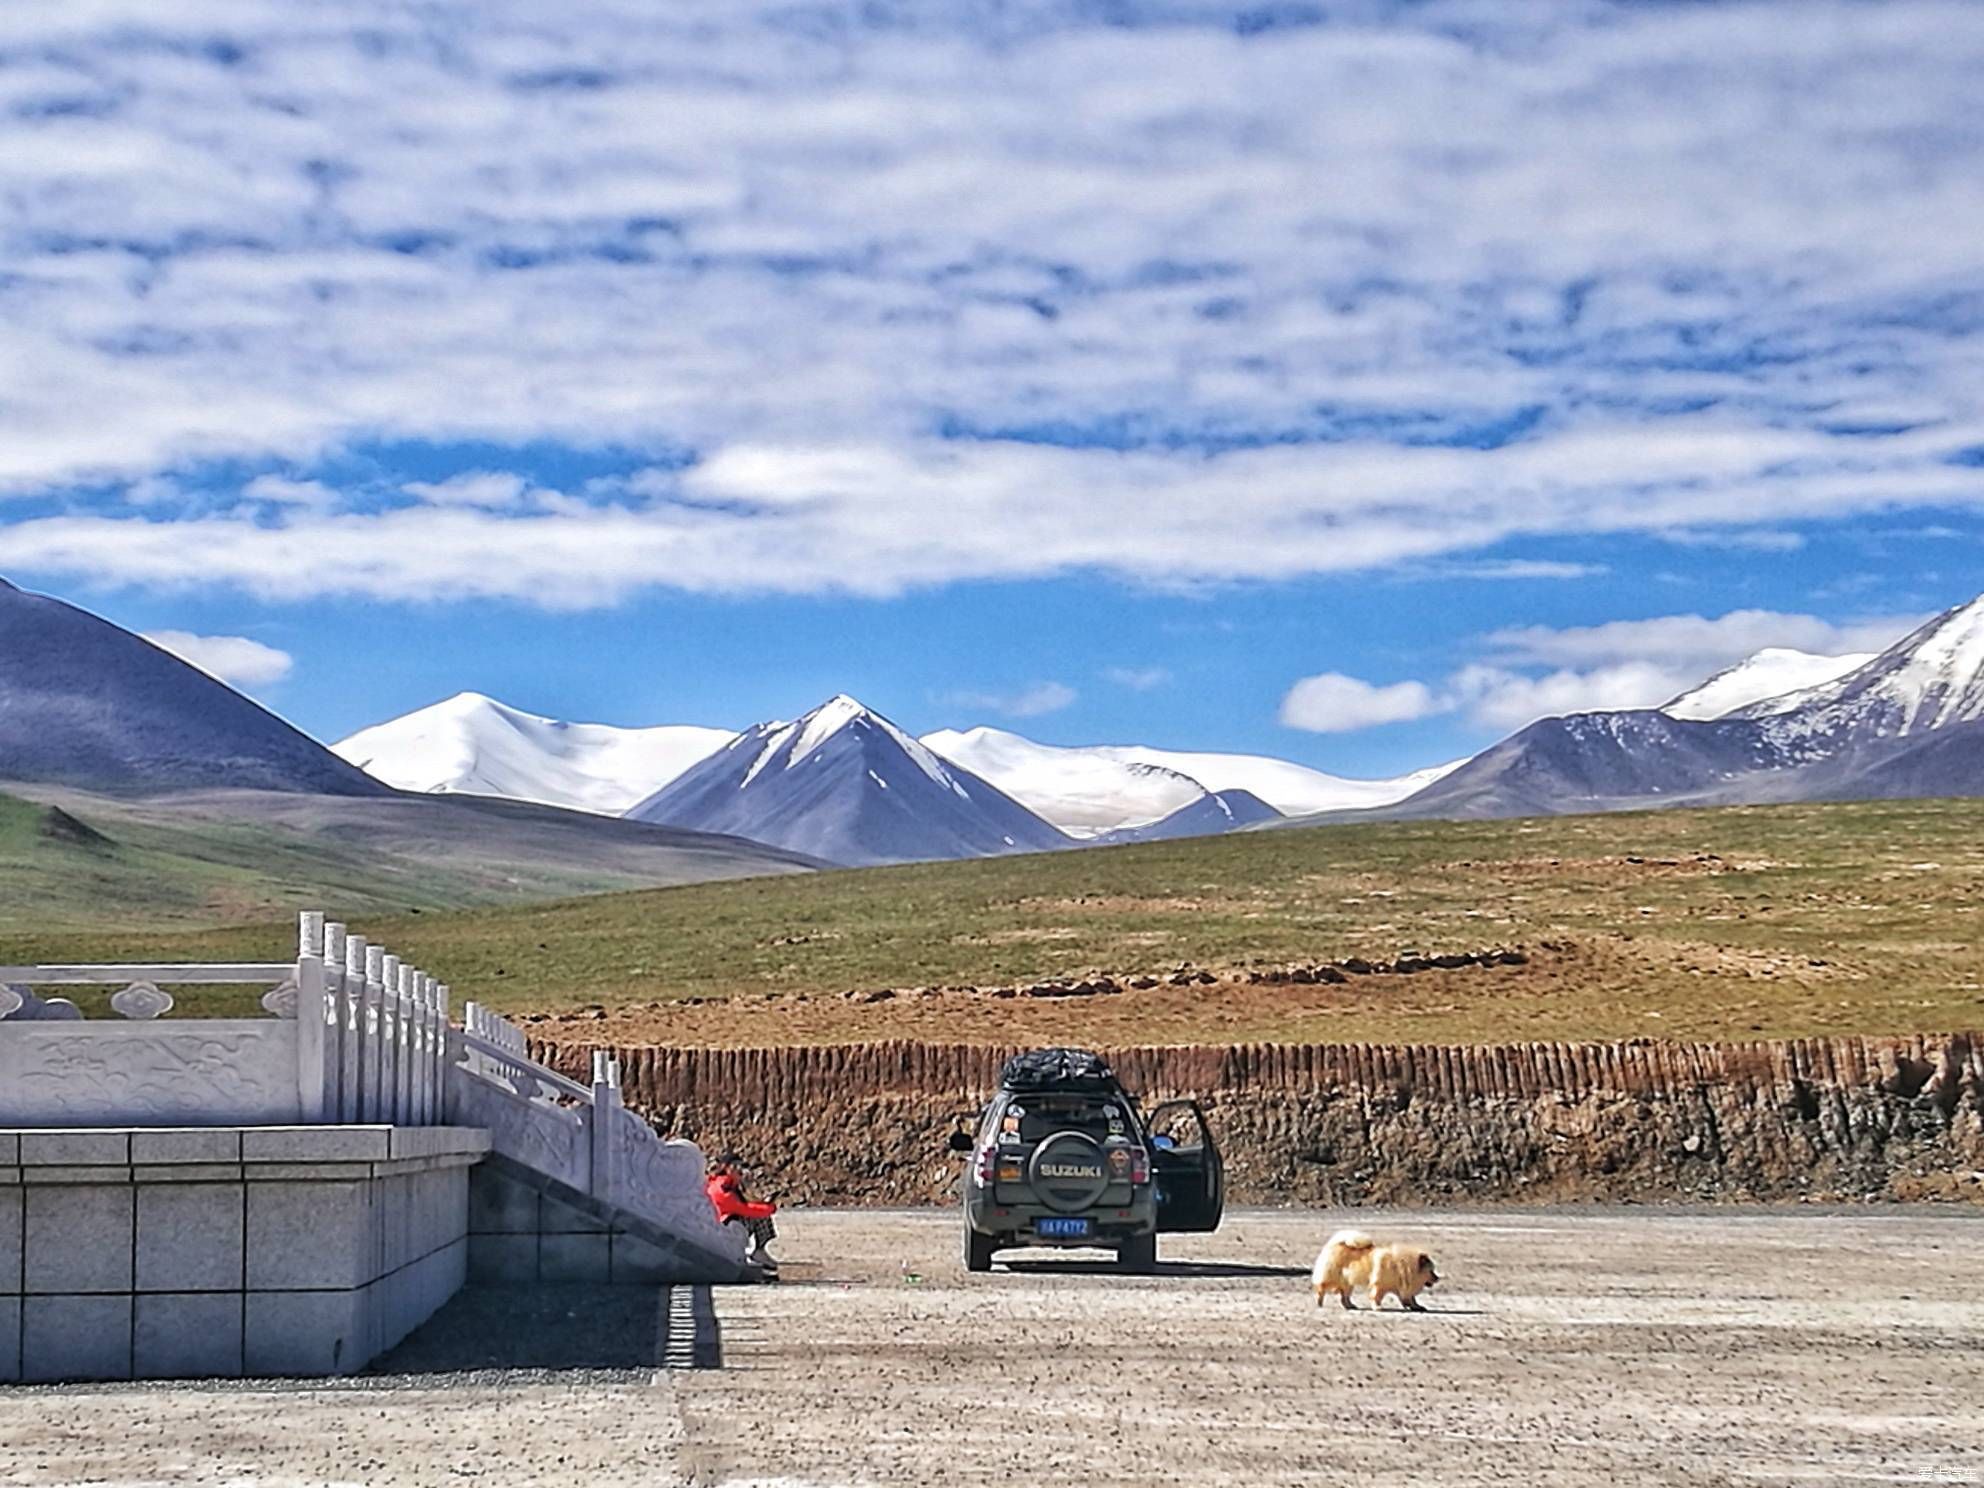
[{"x": 1067, "y": 1172}]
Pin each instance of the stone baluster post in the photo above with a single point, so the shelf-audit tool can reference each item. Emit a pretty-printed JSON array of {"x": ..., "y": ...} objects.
[
  {"x": 337, "y": 992},
  {"x": 422, "y": 1048},
  {"x": 605, "y": 1113},
  {"x": 389, "y": 1034},
  {"x": 437, "y": 1045},
  {"x": 356, "y": 954},
  {"x": 444, "y": 1057},
  {"x": 373, "y": 1098},
  {"x": 314, "y": 1048},
  {"x": 409, "y": 1045}
]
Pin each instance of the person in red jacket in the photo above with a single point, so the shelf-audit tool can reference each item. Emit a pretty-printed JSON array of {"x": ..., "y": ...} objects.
[{"x": 726, "y": 1191}]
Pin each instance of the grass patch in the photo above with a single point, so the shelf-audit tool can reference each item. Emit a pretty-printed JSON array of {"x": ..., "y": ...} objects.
[{"x": 1742, "y": 922}]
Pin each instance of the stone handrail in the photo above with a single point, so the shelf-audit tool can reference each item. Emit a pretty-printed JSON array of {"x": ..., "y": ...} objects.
[{"x": 581, "y": 1136}]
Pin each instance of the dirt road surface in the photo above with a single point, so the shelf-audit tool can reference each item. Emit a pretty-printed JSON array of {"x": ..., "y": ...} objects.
[{"x": 1622, "y": 1347}]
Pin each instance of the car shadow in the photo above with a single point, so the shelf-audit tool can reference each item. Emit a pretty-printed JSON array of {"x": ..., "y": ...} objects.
[{"x": 1179, "y": 1269}]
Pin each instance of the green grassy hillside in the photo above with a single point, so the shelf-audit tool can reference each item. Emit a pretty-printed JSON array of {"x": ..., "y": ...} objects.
[
  {"x": 73, "y": 864},
  {"x": 1738, "y": 922}
]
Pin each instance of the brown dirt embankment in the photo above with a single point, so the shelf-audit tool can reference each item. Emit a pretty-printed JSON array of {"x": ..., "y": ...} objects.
[{"x": 1849, "y": 1118}]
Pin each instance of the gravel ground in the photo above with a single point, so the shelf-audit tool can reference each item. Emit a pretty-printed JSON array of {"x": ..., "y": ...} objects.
[{"x": 1639, "y": 1347}]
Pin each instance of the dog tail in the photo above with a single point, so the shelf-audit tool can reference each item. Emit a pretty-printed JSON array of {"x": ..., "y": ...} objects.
[{"x": 1337, "y": 1250}]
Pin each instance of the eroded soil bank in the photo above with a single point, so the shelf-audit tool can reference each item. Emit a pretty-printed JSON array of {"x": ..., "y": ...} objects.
[{"x": 1333, "y": 1124}]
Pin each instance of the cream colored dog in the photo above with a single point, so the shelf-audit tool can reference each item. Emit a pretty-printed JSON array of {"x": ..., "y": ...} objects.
[{"x": 1353, "y": 1261}]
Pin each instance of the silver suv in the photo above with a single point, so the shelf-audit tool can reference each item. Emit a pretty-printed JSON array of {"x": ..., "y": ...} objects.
[{"x": 1063, "y": 1157}]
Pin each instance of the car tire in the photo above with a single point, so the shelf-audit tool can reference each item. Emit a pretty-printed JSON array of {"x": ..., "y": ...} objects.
[
  {"x": 1137, "y": 1255},
  {"x": 978, "y": 1250}
]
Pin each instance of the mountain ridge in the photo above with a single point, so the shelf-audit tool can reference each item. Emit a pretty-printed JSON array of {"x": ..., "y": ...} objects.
[
  {"x": 86, "y": 703},
  {"x": 1900, "y": 723},
  {"x": 1092, "y": 790}
]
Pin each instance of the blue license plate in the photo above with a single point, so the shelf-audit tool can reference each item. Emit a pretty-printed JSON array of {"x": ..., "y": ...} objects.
[{"x": 1061, "y": 1229}]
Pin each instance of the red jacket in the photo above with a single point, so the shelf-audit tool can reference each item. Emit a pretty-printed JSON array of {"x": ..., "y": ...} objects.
[{"x": 727, "y": 1194}]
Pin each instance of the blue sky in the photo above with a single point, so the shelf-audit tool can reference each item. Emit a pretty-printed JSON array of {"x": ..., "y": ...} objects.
[{"x": 1103, "y": 372}]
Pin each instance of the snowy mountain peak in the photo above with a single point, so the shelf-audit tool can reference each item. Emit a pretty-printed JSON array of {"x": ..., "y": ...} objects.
[
  {"x": 788, "y": 745},
  {"x": 1764, "y": 683},
  {"x": 1931, "y": 678},
  {"x": 836, "y": 713},
  {"x": 846, "y": 784}
]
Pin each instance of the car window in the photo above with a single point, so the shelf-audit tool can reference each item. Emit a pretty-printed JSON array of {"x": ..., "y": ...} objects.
[
  {"x": 1042, "y": 1116},
  {"x": 1176, "y": 1129}
]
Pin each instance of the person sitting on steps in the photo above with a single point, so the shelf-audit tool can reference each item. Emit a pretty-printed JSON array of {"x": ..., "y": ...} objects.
[{"x": 726, "y": 1191}]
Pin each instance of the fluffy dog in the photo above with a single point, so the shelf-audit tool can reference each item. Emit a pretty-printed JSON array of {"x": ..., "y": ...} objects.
[{"x": 1353, "y": 1261}]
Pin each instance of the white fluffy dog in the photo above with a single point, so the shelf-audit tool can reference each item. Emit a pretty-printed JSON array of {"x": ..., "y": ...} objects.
[{"x": 1353, "y": 1261}]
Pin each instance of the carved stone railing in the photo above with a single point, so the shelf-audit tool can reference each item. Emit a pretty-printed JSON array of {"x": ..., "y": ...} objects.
[
  {"x": 584, "y": 1138},
  {"x": 354, "y": 1035}
]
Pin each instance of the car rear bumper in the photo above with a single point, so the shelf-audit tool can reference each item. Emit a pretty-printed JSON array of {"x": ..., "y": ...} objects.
[{"x": 1108, "y": 1224}]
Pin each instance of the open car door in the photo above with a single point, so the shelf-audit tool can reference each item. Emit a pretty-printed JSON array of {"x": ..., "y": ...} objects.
[{"x": 1185, "y": 1161}]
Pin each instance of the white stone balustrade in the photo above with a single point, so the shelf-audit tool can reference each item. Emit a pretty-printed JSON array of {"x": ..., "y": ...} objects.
[{"x": 357, "y": 1034}]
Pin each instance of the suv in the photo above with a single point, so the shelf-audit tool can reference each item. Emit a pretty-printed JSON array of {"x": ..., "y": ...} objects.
[{"x": 1063, "y": 1157}]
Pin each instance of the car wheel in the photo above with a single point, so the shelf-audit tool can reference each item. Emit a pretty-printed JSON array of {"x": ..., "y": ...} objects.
[
  {"x": 1137, "y": 1255},
  {"x": 978, "y": 1250}
]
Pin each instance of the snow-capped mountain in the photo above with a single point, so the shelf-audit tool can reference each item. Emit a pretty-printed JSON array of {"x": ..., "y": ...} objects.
[
  {"x": 86, "y": 703},
  {"x": 1931, "y": 678},
  {"x": 1762, "y": 683},
  {"x": 1908, "y": 722},
  {"x": 1092, "y": 790},
  {"x": 845, "y": 784},
  {"x": 472, "y": 744}
]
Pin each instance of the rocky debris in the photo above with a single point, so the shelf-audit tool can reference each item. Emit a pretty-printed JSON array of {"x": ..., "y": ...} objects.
[
  {"x": 1405, "y": 964},
  {"x": 1329, "y": 1124},
  {"x": 1104, "y": 984}
]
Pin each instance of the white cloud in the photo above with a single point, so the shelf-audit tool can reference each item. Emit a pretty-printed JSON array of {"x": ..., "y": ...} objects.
[
  {"x": 1027, "y": 702},
  {"x": 1512, "y": 568},
  {"x": 235, "y": 660},
  {"x": 1138, "y": 679},
  {"x": 283, "y": 491},
  {"x": 1331, "y": 703},
  {"x": 1504, "y": 699},
  {"x": 493, "y": 489},
  {"x": 1754, "y": 540},
  {"x": 858, "y": 518},
  {"x": 358, "y": 223}
]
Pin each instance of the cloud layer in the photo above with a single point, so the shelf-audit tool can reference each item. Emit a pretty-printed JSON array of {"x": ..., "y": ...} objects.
[{"x": 879, "y": 297}]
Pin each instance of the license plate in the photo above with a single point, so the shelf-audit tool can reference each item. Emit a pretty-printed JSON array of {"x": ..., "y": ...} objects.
[{"x": 1061, "y": 1229}]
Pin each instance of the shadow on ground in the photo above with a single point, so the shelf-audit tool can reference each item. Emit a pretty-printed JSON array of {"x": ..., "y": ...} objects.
[
  {"x": 1177, "y": 1269},
  {"x": 546, "y": 1327}
]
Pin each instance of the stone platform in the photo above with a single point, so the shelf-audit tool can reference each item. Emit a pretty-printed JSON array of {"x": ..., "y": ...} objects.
[{"x": 158, "y": 1253}]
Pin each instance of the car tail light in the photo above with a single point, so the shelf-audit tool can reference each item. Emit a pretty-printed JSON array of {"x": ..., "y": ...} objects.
[
  {"x": 988, "y": 1164},
  {"x": 1139, "y": 1165}
]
